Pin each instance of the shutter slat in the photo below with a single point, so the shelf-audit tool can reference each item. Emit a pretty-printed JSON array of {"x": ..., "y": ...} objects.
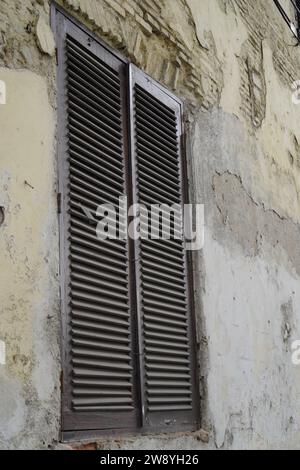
[
  {"x": 154, "y": 171},
  {"x": 87, "y": 188},
  {"x": 96, "y": 122},
  {"x": 164, "y": 321},
  {"x": 98, "y": 274},
  {"x": 95, "y": 344},
  {"x": 156, "y": 327},
  {"x": 89, "y": 111},
  {"x": 90, "y": 303},
  {"x": 83, "y": 351},
  {"x": 157, "y": 264},
  {"x": 110, "y": 174},
  {"x": 147, "y": 151},
  {"x": 164, "y": 186},
  {"x": 88, "y": 191},
  {"x": 97, "y": 290},
  {"x": 174, "y": 265},
  {"x": 91, "y": 135},
  {"x": 168, "y": 247},
  {"x": 163, "y": 335},
  {"x": 157, "y": 105},
  {"x": 164, "y": 359},
  {"x": 178, "y": 399},
  {"x": 96, "y": 326},
  {"x": 98, "y": 401},
  {"x": 174, "y": 407},
  {"x": 160, "y": 305},
  {"x": 108, "y": 340},
  {"x": 165, "y": 344},
  {"x": 172, "y": 375},
  {"x": 164, "y": 386},
  {"x": 99, "y": 247},
  {"x": 149, "y": 190},
  {"x": 86, "y": 75},
  {"x": 144, "y": 101},
  {"x": 79, "y": 360},
  {"x": 155, "y": 120},
  {"x": 95, "y": 170},
  {"x": 101, "y": 385},
  {"x": 168, "y": 351},
  {"x": 79, "y": 372},
  {"x": 162, "y": 168},
  {"x": 155, "y": 135},
  {"x": 84, "y": 86},
  {"x": 85, "y": 260},
  {"x": 86, "y": 143},
  {"x": 156, "y": 145},
  {"x": 75, "y": 49},
  {"x": 87, "y": 230},
  {"x": 170, "y": 294},
  {"x": 94, "y": 295},
  {"x": 148, "y": 307},
  {"x": 105, "y": 408},
  {"x": 88, "y": 392}
]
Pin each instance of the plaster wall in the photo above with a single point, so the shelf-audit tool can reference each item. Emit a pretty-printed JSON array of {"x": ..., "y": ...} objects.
[{"x": 233, "y": 64}]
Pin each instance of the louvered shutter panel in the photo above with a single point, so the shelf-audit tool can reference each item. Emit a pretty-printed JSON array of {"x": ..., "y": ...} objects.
[
  {"x": 99, "y": 390},
  {"x": 163, "y": 290}
]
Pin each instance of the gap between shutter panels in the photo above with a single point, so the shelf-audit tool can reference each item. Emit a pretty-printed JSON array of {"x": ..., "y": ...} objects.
[
  {"x": 164, "y": 306},
  {"x": 100, "y": 318}
]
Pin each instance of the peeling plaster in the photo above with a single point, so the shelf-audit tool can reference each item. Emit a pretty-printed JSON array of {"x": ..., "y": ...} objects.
[{"x": 229, "y": 63}]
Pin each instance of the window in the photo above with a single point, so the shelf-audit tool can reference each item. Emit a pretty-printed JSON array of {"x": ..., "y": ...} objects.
[{"x": 127, "y": 320}]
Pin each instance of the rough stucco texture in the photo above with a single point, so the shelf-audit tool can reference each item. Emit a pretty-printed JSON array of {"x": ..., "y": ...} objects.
[
  {"x": 29, "y": 407},
  {"x": 232, "y": 64}
]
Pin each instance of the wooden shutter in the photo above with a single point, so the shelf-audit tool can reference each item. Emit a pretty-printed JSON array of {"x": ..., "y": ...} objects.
[
  {"x": 98, "y": 383},
  {"x": 164, "y": 304}
]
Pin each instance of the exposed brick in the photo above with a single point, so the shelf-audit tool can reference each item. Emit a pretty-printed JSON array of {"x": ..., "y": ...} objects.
[
  {"x": 183, "y": 57},
  {"x": 146, "y": 27},
  {"x": 165, "y": 32},
  {"x": 75, "y": 4},
  {"x": 116, "y": 7},
  {"x": 155, "y": 25},
  {"x": 175, "y": 77},
  {"x": 128, "y": 8},
  {"x": 137, "y": 45},
  {"x": 136, "y": 8},
  {"x": 157, "y": 4},
  {"x": 164, "y": 69},
  {"x": 148, "y": 6}
]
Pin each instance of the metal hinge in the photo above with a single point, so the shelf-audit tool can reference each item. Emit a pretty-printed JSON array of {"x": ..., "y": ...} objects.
[{"x": 59, "y": 203}]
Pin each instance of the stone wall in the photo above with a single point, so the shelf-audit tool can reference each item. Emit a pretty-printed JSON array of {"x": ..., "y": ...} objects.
[{"x": 233, "y": 63}]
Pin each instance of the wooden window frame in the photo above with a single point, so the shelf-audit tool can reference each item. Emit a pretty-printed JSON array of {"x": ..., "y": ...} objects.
[{"x": 133, "y": 73}]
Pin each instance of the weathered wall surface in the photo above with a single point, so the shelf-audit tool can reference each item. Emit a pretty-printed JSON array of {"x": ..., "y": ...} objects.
[
  {"x": 29, "y": 381},
  {"x": 233, "y": 64}
]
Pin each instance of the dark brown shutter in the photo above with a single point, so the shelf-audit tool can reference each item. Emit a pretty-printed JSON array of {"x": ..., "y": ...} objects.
[
  {"x": 164, "y": 305},
  {"x": 126, "y": 306},
  {"x": 99, "y": 366}
]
